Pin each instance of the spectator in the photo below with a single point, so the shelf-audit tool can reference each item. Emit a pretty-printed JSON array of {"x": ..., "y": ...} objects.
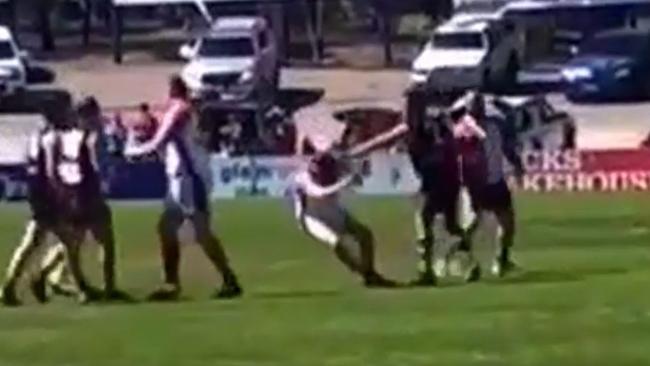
[
  {"x": 115, "y": 135},
  {"x": 145, "y": 126},
  {"x": 646, "y": 142},
  {"x": 230, "y": 136},
  {"x": 282, "y": 132}
]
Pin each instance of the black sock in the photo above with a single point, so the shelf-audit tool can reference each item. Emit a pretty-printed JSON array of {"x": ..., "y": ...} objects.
[{"x": 505, "y": 254}]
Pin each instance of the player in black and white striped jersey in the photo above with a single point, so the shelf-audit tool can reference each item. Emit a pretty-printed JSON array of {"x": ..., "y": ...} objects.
[{"x": 65, "y": 199}]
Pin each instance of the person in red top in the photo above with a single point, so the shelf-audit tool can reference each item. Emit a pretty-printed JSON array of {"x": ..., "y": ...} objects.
[
  {"x": 487, "y": 141},
  {"x": 147, "y": 124}
]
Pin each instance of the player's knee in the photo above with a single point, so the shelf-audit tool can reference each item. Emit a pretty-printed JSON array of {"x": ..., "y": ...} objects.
[
  {"x": 364, "y": 235},
  {"x": 169, "y": 223}
]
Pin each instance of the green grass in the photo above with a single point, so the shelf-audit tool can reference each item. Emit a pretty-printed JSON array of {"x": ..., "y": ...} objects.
[{"x": 582, "y": 300}]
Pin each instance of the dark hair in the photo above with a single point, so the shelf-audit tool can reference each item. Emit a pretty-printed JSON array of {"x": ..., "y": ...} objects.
[
  {"x": 144, "y": 107},
  {"x": 177, "y": 87},
  {"x": 477, "y": 106},
  {"x": 59, "y": 117},
  {"x": 88, "y": 106}
]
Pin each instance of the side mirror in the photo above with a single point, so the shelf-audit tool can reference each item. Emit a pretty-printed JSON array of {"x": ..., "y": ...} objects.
[{"x": 186, "y": 52}]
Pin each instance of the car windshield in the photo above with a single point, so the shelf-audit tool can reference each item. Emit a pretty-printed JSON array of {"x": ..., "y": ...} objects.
[
  {"x": 226, "y": 47},
  {"x": 6, "y": 51},
  {"x": 618, "y": 45},
  {"x": 458, "y": 40}
]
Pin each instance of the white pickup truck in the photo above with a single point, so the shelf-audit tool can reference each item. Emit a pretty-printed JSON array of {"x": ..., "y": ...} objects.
[
  {"x": 470, "y": 51},
  {"x": 13, "y": 71},
  {"x": 237, "y": 59}
]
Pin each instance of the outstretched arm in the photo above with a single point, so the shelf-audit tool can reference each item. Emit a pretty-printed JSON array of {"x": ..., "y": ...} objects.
[
  {"x": 379, "y": 140},
  {"x": 162, "y": 134}
]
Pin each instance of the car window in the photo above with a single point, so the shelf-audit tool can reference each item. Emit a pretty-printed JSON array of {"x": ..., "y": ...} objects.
[
  {"x": 458, "y": 40},
  {"x": 6, "y": 50},
  {"x": 226, "y": 47}
]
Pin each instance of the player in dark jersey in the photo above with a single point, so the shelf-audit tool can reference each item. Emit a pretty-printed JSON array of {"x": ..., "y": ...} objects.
[
  {"x": 65, "y": 199},
  {"x": 433, "y": 154},
  {"x": 483, "y": 151},
  {"x": 54, "y": 274}
]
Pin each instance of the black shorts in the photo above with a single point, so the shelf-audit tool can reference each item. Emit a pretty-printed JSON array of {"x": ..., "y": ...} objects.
[{"x": 491, "y": 197}]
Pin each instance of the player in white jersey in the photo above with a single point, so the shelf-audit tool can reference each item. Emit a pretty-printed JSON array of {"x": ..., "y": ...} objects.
[
  {"x": 189, "y": 183},
  {"x": 65, "y": 199},
  {"x": 321, "y": 215}
]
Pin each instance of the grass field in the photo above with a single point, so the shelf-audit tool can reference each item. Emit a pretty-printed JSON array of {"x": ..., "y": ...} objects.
[{"x": 582, "y": 300}]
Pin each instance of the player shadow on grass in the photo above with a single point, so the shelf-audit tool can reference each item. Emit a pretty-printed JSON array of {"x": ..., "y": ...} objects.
[
  {"x": 542, "y": 277},
  {"x": 299, "y": 294},
  {"x": 538, "y": 277}
]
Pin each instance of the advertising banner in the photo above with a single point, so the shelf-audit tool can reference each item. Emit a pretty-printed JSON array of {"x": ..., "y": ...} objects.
[
  {"x": 383, "y": 174},
  {"x": 392, "y": 174},
  {"x": 123, "y": 180},
  {"x": 597, "y": 170}
]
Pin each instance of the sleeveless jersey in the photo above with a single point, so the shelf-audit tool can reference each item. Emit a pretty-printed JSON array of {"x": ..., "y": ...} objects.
[
  {"x": 183, "y": 155},
  {"x": 64, "y": 180}
]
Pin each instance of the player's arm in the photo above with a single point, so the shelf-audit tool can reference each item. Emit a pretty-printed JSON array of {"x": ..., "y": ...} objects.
[
  {"x": 161, "y": 135},
  {"x": 91, "y": 145},
  {"x": 379, "y": 140},
  {"x": 33, "y": 154},
  {"x": 314, "y": 189}
]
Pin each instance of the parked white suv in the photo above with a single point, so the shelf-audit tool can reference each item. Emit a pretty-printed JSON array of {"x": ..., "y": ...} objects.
[
  {"x": 469, "y": 51},
  {"x": 13, "y": 72},
  {"x": 237, "y": 59}
]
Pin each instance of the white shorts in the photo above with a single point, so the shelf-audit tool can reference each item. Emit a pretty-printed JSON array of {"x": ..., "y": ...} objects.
[
  {"x": 327, "y": 224},
  {"x": 187, "y": 194}
]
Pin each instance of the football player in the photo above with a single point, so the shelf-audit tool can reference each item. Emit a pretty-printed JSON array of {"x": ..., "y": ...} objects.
[
  {"x": 487, "y": 139},
  {"x": 65, "y": 198},
  {"x": 321, "y": 215},
  {"x": 434, "y": 156},
  {"x": 188, "y": 175},
  {"x": 54, "y": 274}
]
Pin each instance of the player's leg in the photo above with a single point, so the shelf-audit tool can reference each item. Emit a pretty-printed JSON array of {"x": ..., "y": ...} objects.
[
  {"x": 364, "y": 237},
  {"x": 505, "y": 215},
  {"x": 33, "y": 238},
  {"x": 102, "y": 230},
  {"x": 54, "y": 274},
  {"x": 214, "y": 251},
  {"x": 424, "y": 214},
  {"x": 169, "y": 225},
  {"x": 466, "y": 208},
  {"x": 333, "y": 237},
  {"x": 72, "y": 238}
]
